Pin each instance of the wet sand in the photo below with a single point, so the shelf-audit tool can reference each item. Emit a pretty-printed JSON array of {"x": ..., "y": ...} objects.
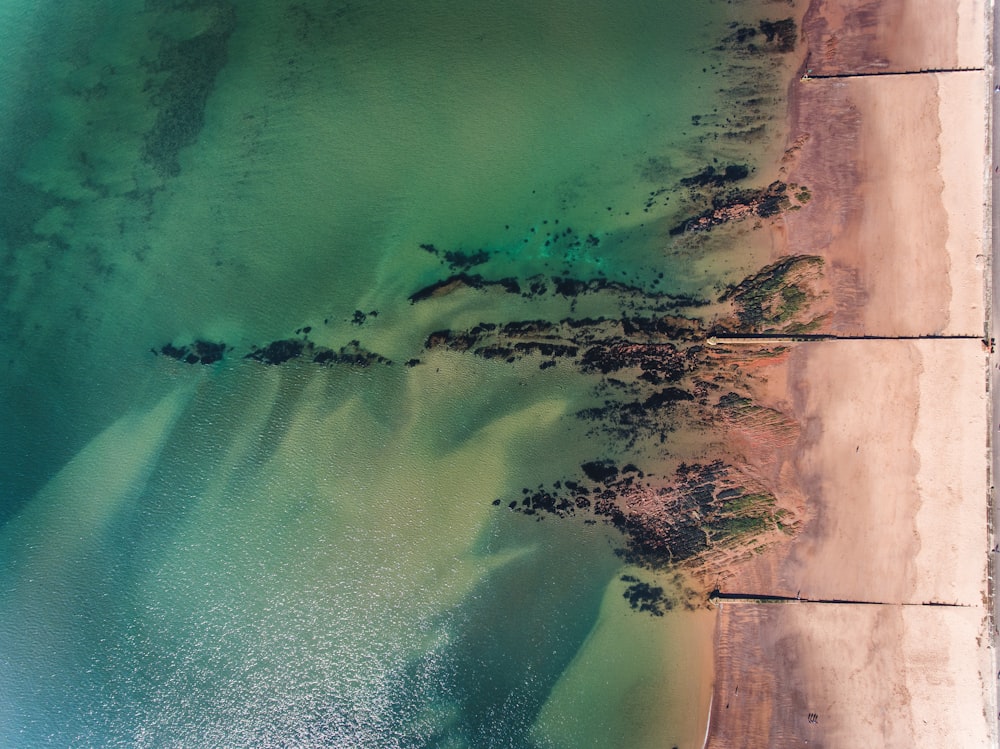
[
  {"x": 877, "y": 36},
  {"x": 891, "y": 460},
  {"x": 837, "y": 675}
]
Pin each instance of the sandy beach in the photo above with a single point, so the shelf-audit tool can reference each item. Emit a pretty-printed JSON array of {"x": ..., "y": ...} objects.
[
  {"x": 875, "y": 36},
  {"x": 898, "y": 209},
  {"x": 892, "y": 457},
  {"x": 836, "y": 675}
]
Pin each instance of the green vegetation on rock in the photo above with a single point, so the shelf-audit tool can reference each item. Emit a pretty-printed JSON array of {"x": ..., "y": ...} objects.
[{"x": 776, "y": 298}]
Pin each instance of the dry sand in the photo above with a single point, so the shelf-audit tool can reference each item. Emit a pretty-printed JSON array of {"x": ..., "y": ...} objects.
[
  {"x": 892, "y": 458},
  {"x": 896, "y": 167},
  {"x": 892, "y": 462}
]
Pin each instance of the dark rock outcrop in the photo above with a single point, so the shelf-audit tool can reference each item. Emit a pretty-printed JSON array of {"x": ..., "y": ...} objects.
[{"x": 199, "y": 352}]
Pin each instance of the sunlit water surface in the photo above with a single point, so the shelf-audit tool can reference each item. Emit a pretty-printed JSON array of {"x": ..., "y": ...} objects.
[{"x": 242, "y": 555}]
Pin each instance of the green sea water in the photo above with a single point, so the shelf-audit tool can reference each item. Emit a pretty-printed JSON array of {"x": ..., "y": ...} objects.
[{"x": 239, "y": 554}]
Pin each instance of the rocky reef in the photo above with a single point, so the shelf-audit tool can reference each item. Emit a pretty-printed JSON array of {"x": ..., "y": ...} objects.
[
  {"x": 740, "y": 204},
  {"x": 279, "y": 352},
  {"x": 458, "y": 259},
  {"x": 785, "y": 296},
  {"x": 684, "y": 447},
  {"x": 642, "y": 596},
  {"x": 655, "y": 372},
  {"x": 276, "y": 352},
  {"x": 563, "y": 286},
  {"x": 180, "y": 81},
  {"x": 678, "y": 519},
  {"x": 198, "y": 352},
  {"x": 463, "y": 280},
  {"x": 771, "y": 37},
  {"x": 657, "y": 375}
]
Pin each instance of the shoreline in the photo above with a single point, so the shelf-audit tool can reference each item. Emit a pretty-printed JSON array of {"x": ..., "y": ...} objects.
[{"x": 889, "y": 459}]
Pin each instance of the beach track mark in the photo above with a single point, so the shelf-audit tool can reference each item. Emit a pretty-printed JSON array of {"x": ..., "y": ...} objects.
[
  {"x": 718, "y": 597},
  {"x": 812, "y": 337},
  {"x": 882, "y": 73}
]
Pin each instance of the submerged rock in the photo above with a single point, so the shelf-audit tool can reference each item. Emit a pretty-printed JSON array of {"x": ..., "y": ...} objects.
[
  {"x": 600, "y": 471},
  {"x": 460, "y": 281},
  {"x": 458, "y": 259},
  {"x": 642, "y": 596},
  {"x": 779, "y": 37},
  {"x": 709, "y": 177}
]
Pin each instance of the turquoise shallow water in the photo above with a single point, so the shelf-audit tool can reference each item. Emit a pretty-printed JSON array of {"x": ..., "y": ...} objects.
[{"x": 251, "y": 555}]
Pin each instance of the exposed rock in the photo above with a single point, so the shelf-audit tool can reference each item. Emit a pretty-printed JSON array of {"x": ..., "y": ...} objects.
[
  {"x": 701, "y": 508},
  {"x": 278, "y": 352},
  {"x": 199, "y": 352},
  {"x": 738, "y": 205},
  {"x": 782, "y": 297}
]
